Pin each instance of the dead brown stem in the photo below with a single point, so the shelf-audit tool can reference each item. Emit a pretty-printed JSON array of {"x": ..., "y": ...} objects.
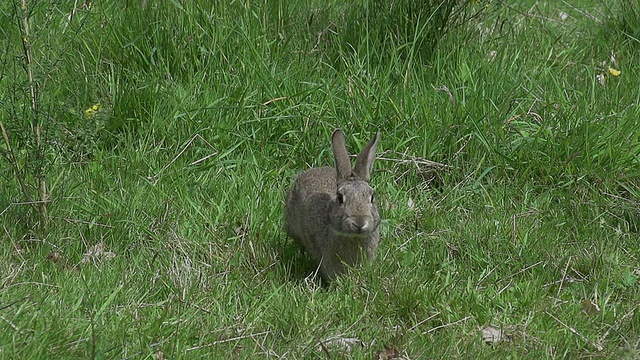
[{"x": 37, "y": 126}]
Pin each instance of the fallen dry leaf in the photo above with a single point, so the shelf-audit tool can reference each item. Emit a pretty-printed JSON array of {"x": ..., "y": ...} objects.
[
  {"x": 340, "y": 343},
  {"x": 590, "y": 307},
  {"x": 240, "y": 231},
  {"x": 160, "y": 355},
  {"x": 55, "y": 257},
  {"x": 96, "y": 253},
  {"x": 388, "y": 354},
  {"x": 410, "y": 203},
  {"x": 563, "y": 15},
  {"x": 492, "y": 334}
]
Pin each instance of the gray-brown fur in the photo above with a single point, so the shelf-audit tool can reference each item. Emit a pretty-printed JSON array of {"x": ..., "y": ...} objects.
[{"x": 336, "y": 235}]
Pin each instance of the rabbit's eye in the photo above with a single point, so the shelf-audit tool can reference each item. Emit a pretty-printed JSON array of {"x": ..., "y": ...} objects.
[
  {"x": 372, "y": 198},
  {"x": 340, "y": 198}
]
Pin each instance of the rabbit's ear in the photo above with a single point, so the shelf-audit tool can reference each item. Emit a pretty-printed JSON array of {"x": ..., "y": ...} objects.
[
  {"x": 343, "y": 164},
  {"x": 364, "y": 161}
]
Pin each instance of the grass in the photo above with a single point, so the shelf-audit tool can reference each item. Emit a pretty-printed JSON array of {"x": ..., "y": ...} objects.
[{"x": 207, "y": 111}]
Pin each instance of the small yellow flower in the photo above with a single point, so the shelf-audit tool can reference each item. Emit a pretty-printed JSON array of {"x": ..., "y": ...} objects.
[
  {"x": 614, "y": 72},
  {"x": 92, "y": 111}
]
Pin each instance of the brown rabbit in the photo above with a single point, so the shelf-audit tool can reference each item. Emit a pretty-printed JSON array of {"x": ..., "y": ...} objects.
[{"x": 331, "y": 213}]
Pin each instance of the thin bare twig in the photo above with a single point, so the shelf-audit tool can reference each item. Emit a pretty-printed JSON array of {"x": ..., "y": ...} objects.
[
  {"x": 522, "y": 270},
  {"x": 598, "y": 347},
  {"x": 12, "y": 325},
  {"x": 564, "y": 276},
  {"x": 424, "y": 321},
  {"x": 223, "y": 341},
  {"x": 617, "y": 324},
  {"x": 414, "y": 160},
  {"x": 447, "y": 325}
]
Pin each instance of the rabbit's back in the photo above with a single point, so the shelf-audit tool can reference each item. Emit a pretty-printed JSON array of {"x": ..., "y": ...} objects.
[{"x": 307, "y": 209}]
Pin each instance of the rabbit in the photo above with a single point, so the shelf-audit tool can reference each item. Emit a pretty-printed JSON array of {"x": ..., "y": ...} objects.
[{"x": 331, "y": 213}]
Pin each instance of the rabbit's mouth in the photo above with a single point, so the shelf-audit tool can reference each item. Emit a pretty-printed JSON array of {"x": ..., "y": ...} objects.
[
  {"x": 360, "y": 225},
  {"x": 352, "y": 231}
]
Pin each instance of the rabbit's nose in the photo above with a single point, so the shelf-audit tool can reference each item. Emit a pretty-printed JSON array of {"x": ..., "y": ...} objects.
[{"x": 361, "y": 224}]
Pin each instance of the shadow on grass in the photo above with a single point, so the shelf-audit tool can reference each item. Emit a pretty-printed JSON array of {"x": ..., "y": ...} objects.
[{"x": 297, "y": 267}]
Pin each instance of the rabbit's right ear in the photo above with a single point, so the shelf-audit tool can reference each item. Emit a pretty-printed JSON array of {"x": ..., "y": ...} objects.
[{"x": 340, "y": 154}]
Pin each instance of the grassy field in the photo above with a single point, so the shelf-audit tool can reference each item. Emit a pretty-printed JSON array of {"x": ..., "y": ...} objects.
[{"x": 508, "y": 178}]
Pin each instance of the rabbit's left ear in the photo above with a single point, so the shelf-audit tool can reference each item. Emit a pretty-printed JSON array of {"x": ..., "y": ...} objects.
[{"x": 364, "y": 161}]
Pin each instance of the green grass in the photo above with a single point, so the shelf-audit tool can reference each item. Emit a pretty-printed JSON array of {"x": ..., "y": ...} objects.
[{"x": 208, "y": 110}]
